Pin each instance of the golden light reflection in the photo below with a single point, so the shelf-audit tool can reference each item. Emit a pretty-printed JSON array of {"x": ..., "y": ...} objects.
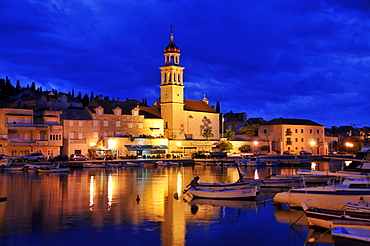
[
  {"x": 313, "y": 166},
  {"x": 256, "y": 176},
  {"x": 179, "y": 183},
  {"x": 92, "y": 192},
  {"x": 347, "y": 163},
  {"x": 110, "y": 191}
]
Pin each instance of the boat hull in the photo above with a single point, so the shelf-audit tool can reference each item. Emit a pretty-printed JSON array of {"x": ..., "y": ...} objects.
[
  {"x": 223, "y": 186},
  {"x": 53, "y": 170},
  {"x": 329, "y": 218},
  {"x": 326, "y": 199},
  {"x": 355, "y": 234},
  {"x": 249, "y": 193}
]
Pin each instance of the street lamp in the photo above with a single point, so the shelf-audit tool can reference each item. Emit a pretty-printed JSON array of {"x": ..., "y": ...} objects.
[
  {"x": 255, "y": 145},
  {"x": 312, "y": 144},
  {"x": 349, "y": 145}
]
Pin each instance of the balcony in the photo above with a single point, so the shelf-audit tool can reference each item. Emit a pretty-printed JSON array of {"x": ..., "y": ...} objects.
[
  {"x": 77, "y": 141},
  {"x": 289, "y": 142},
  {"x": 27, "y": 142},
  {"x": 30, "y": 126}
]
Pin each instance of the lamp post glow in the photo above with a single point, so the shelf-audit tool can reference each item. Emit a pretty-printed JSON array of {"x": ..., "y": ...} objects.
[
  {"x": 255, "y": 145},
  {"x": 312, "y": 144},
  {"x": 349, "y": 145}
]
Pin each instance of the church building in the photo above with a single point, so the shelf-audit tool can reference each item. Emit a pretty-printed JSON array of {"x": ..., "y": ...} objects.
[{"x": 183, "y": 119}]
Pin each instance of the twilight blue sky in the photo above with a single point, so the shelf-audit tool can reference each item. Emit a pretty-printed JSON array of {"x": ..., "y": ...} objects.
[{"x": 302, "y": 59}]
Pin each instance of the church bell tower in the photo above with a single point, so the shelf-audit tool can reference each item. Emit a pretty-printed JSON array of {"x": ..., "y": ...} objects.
[{"x": 172, "y": 92}]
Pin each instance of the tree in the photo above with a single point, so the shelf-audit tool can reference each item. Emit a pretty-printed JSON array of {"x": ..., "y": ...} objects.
[
  {"x": 85, "y": 100},
  {"x": 250, "y": 130},
  {"x": 229, "y": 134},
  {"x": 245, "y": 148},
  {"x": 207, "y": 134},
  {"x": 224, "y": 146},
  {"x": 265, "y": 148}
]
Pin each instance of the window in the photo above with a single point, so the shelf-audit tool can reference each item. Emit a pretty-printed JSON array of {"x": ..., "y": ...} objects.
[
  {"x": 129, "y": 125},
  {"x": 310, "y": 130},
  {"x": 70, "y": 123},
  {"x": 296, "y": 130},
  {"x": 105, "y": 123},
  {"x": 71, "y": 135},
  {"x": 302, "y": 140},
  {"x": 301, "y": 130},
  {"x": 118, "y": 123},
  {"x": 99, "y": 110},
  {"x": 80, "y": 123},
  {"x": 318, "y": 131},
  {"x": 140, "y": 125},
  {"x": 264, "y": 131},
  {"x": 95, "y": 123},
  {"x": 95, "y": 134},
  {"x": 296, "y": 139}
]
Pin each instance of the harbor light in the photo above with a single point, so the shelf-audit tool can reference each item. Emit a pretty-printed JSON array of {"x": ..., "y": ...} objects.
[{"x": 349, "y": 145}]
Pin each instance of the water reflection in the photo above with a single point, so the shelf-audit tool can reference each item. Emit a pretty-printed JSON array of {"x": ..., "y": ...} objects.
[{"x": 49, "y": 208}]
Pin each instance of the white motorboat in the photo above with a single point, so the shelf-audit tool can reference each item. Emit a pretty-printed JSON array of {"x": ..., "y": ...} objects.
[
  {"x": 331, "y": 173},
  {"x": 246, "y": 193},
  {"x": 352, "y": 235},
  {"x": 331, "y": 196}
]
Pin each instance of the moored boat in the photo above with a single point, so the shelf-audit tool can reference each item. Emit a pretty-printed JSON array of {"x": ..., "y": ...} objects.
[
  {"x": 347, "y": 236},
  {"x": 357, "y": 206},
  {"x": 330, "y": 196},
  {"x": 223, "y": 186},
  {"x": 132, "y": 164},
  {"x": 53, "y": 169},
  {"x": 328, "y": 218},
  {"x": 93, "y": 165}
]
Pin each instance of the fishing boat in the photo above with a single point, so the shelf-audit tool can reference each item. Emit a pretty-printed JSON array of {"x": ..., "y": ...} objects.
[
  {"x": 251, "y": 162},
  {"x": 348, "y": 236},
  {"x": 13, "y": 168},
  {"x": 93, "y": 165},
  {"x": 328, "y": 218},
  {"x": 223, "y": 186},
  {"x": 162, "y": 163},
  {"x": 53, "y": 169},
  {"x": 330, "y": 196},
  {"x": 132, "y": 164},
  {"x": 238, "y": 194}
]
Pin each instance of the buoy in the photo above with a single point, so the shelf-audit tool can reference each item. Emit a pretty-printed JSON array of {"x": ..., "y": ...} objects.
[{"x": 137, "y": 199}]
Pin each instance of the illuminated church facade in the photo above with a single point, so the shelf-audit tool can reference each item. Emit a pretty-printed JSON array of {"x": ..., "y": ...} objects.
[{"x": 183, "y": 119}]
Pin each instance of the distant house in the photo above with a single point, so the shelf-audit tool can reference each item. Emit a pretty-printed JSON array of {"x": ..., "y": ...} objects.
[{"x": 290, "y": 136}]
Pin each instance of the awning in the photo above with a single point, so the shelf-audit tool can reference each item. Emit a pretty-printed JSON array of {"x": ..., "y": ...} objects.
[{"x": 146, "y": 147}]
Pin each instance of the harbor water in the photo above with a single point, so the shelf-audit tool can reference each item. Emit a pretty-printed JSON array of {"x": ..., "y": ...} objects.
[{"x": 136, "y": 206}]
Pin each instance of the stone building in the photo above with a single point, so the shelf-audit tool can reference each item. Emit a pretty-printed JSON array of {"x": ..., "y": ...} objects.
[{"x": 290, "y": 136}]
